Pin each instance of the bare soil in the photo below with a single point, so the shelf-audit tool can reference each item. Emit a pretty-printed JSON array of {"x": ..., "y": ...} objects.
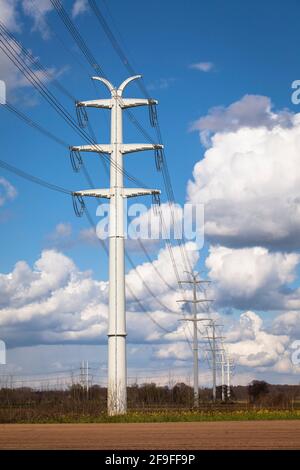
[{"x": 163, "y": 436}]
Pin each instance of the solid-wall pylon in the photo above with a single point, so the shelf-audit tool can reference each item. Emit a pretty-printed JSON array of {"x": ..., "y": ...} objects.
[{"x": 117, "y": 366}]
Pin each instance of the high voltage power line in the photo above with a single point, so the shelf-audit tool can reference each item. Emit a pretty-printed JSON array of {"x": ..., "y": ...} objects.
[
  {"x": 46, "y": 184},
  {"x": 60, "y": 87},
  {"x": 155, "y": 124},
  {"x": 12, "y": 53},
  {"x": 60, "y": 189},
  {"x": 33, "y": 179},
  {"x": 117, "y": 363},
  {"x": 166, "y": 174},
  {"x": 155, "y": 121},
  {"x": 38, "y": 84},
  {"x": 95, "y": 65},
  {"x": 31, "y": 76}
]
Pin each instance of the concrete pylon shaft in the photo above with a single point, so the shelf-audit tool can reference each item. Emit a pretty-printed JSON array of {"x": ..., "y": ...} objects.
[
  {"x": 116, "y": 193},
  {"x": 222, "y": 379},
  {"x": 195, "y": 348},
  {"x": 214, "y": 361},
  {"x": 228, "y": 378},
  {"x": 117, "y": 380}
]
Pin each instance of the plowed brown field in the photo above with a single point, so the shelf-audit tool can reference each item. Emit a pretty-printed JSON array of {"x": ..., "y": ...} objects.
[{"x": 164, "y": 436}]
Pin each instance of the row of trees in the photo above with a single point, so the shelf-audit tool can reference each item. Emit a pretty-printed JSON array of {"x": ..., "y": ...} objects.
[{"x": 257, "y": 392}]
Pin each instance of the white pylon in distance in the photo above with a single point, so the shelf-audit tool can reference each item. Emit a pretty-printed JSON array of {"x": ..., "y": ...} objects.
[{"x": 117, "y": 367}]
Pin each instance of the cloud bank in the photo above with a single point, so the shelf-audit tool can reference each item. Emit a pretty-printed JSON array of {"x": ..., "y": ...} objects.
[{"x": 249, "y": 180}]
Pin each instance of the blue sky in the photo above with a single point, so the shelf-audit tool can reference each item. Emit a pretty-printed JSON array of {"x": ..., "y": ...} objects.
[{"x": 252, "y": 50}]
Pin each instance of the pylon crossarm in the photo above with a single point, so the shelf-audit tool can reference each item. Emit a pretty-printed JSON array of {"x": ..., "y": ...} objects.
[
  {"x": 108, "y": 193},
  {"x": 105, "y": 148},
  {"x": 133, "y": 192},
  {"x": 134, "y": 102},
  {"x": 100, "y": 193},
  {"x": 130, "y": 148},
  {"x": 104, "y": 104}
]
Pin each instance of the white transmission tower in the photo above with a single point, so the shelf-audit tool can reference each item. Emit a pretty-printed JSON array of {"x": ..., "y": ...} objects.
[
  {"x": 194, "y": 281},
  {"x": 214, "y": 351},
  {"x": 117, "y": 373}
]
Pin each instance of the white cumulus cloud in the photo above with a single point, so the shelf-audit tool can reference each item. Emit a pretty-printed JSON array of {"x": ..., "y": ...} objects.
[
  {"x": 250, "y": 111},
  {"x": 249, "y": 181},
  {"x": 55, "y": 303},
  {"x": 252, "y": 346},
  {"x": 288, "y": 323},
  {"x": 251, "y": 277}
]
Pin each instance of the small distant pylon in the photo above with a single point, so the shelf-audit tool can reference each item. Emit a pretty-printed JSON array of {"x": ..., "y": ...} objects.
[{"x": 195, "y": 319}]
